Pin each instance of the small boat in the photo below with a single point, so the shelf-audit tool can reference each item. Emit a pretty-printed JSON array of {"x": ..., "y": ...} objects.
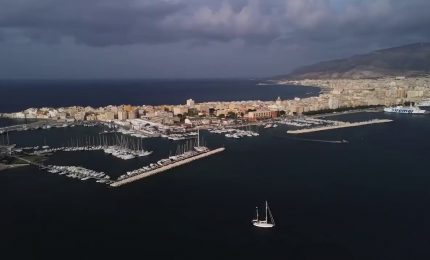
[{"x": 266, "y": 223}]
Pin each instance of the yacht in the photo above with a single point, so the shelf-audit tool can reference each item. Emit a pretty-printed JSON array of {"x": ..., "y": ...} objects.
[
  {"x": 404, "y": 110},
  {"x": 267, "y": 222}
]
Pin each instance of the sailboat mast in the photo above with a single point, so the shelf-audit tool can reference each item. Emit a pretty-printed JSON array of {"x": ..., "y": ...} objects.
[
  {"x": 256, "y": 208},
  {"x": 266, "y": 211}
]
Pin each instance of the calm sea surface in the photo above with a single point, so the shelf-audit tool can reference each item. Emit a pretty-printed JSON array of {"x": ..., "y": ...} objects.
[
  {"x": 20, "y": 94},
  {"x": 367, "y": 199}
]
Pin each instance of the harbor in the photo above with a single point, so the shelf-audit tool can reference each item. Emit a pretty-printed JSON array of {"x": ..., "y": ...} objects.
[
  {"x": 134, "y": 144},
  {"x": 110, "y": 143}
]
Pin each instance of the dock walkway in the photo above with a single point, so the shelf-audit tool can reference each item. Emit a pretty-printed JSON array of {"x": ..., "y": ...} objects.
[{"x": 166, "y": 167}]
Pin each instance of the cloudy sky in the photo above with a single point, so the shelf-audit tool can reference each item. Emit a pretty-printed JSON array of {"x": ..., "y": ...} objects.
[{"x": 196, "y": 38}]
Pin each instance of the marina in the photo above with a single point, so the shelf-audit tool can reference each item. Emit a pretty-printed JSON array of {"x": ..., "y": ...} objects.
[
  {"x": 235, "y": 133},
  {"x": 119, "y": 146},
  {"x": 162, "y": 165}
]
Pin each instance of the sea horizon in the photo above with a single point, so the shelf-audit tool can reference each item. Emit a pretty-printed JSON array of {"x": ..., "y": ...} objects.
[{"x": 18, "y": 94}]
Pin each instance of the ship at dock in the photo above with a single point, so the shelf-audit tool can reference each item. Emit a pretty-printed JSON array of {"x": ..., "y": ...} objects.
[
  {"x": 425, "y": 105},
  {"x": 404, "y": 110}
]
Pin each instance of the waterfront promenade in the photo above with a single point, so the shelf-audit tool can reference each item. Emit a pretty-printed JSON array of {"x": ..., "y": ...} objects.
[
  {"x": 340, "y": 125},
  {"x": 166, "y": 167}
]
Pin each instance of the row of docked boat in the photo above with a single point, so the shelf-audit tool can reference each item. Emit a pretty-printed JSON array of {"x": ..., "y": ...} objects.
[
  {"x": 270, "y": 125},
  {"x": 292, "y": 122},
  {"x": 78, "y": 172},
  {"x": 307, "y": 122},
  {"x": 164, "y": 162},
  {"x": 146, "y": 132},
  {"x": 180, "y": 136},
  {"x": 125, "y": 154},
  {"x": 116, "y": 151},
  {"x": 241, "y": 133},
  {"x": 234, "y": 133},
  {"x": 139, "y": 134},
  {"x": 44, "y": 125},
  {"x": 35, "y": 150}
]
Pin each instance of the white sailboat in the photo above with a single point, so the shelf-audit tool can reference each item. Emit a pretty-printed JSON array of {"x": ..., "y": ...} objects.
[{"x": 266, "y": 223}]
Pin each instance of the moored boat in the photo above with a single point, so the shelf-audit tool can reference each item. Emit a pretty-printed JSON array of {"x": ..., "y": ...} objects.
[{"x": 404, "y": 110}]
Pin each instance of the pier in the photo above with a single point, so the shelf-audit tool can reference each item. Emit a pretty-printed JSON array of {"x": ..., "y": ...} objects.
[
  {"x": 166, "y": 167},
  {"x": 338, "y": 125}
]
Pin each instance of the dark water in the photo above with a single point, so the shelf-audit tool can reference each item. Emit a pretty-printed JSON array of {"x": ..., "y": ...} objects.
[
  {"x": 21, "y": 94},
  {"x": 367, "y": 199}
]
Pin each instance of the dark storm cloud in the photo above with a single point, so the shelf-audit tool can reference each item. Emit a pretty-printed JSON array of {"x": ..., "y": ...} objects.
[
  {"x": 382, "y": 20},
  {"x": 112, "y": 22},
  {"x": 196, "y": 38},
  {"x": 92, "y": 22}
]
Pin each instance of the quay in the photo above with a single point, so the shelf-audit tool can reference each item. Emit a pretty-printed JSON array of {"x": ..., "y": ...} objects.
[
  {"x": 23, "y": 127},
  {"x": 166, "y": 167},
  {"x": 43, "y": 124},
  {"x": 347, "y": 112},
  {"x": 339, "y": 125}
]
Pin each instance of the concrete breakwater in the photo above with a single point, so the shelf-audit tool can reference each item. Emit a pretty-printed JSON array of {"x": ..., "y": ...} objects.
[
  {"x": 339, "y": 125},
  {"x": 166, "y": 167}
]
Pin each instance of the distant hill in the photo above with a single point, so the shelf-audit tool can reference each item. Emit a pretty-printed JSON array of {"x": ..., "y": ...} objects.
[{"x": 408, "y": 60}]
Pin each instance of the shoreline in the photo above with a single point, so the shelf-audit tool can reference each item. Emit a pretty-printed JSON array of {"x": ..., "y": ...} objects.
[{"x": 6, "y": 114}]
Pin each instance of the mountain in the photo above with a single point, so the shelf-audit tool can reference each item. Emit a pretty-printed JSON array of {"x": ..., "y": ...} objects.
[{"x": 408, "y": 60}]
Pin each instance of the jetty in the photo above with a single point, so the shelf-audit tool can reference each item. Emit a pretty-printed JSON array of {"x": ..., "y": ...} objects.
[
  {"x": 338, "y": 125},
  {"x": 162, "y": 168}
]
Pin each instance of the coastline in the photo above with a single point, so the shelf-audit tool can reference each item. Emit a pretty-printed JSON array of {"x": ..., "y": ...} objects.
[{"x": 152, "y": 93}]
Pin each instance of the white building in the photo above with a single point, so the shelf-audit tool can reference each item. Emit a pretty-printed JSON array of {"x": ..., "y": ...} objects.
[
  {"x": 190, "y": 102},
  {"x": 333, "y": 103},
  {"x": 122, "y": 115}
]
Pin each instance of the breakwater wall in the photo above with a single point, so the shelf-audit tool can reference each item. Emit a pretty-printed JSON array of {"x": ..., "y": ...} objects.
[
  {"x": 166, "y": 167},
  {"x": 340, "y": 125}
]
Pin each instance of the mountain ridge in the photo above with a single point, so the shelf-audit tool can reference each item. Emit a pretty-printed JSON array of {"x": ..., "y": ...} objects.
[{"x": 407, "y": 60}]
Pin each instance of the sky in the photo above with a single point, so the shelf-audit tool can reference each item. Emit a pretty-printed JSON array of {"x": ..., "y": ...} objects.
[{"x": 75, "y": 39}]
